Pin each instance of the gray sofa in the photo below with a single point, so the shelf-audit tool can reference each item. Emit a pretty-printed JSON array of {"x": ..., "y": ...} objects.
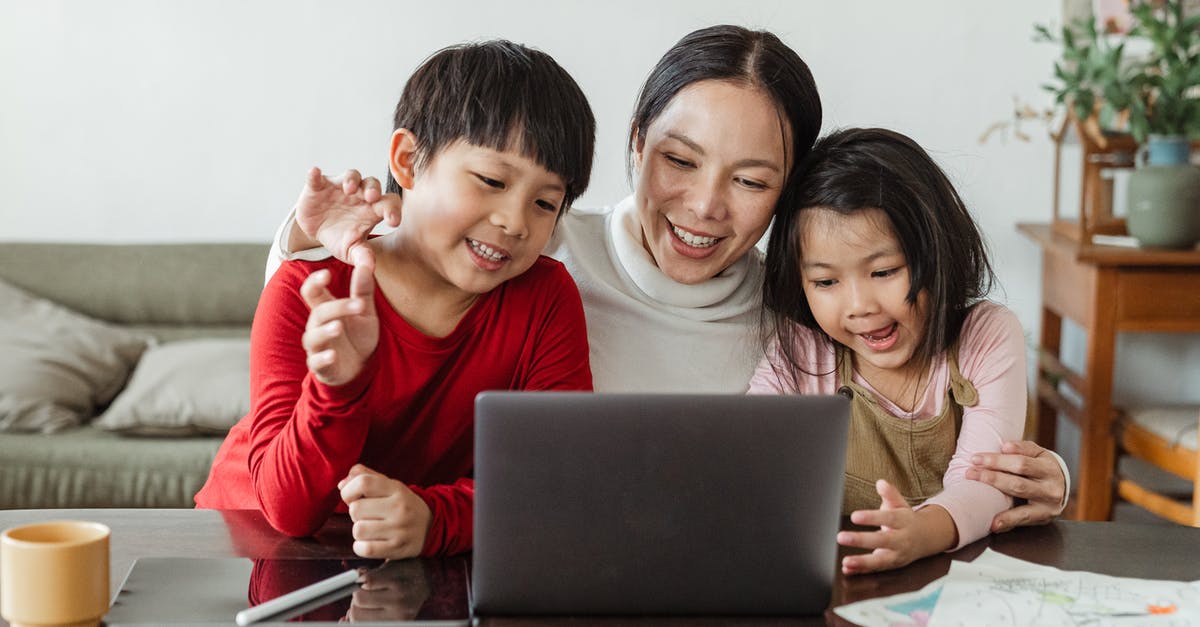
[{"x": 171, "y": 291}]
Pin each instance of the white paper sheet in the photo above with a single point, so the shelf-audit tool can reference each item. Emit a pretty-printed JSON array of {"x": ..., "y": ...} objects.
[{"x": 999, "y": 590}]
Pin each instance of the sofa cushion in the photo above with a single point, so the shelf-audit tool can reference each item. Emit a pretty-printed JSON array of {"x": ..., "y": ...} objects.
[
  {"x": 190, "y": 387},
  {"x": 90, "y": 467},
  {"x": 59, "y": 366}
]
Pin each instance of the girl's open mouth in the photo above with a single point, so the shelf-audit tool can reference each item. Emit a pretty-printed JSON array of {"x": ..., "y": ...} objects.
[{"x": 881, "y": 339}]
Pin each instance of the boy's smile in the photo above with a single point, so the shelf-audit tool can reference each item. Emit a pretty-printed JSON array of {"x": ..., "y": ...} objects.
[{"x": 473, "y": 217}]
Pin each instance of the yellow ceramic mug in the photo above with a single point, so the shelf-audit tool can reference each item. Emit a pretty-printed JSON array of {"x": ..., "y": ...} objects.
[{"x": 54, "y": 573}]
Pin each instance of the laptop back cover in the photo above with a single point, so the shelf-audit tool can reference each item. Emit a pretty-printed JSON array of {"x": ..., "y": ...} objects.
[{"x": 656, "y": 504}]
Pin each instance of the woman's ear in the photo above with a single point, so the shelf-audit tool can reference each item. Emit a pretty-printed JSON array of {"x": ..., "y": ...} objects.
[
  {"x": 637, "y": 144},
  {"x": 402, "y": 157}
]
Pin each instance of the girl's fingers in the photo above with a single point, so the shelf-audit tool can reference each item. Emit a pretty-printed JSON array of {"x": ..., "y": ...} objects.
[
  {"x": 865, "y": 539},
  {"x": 891, "y": 497},
  {"x": 868, "y": 563}
]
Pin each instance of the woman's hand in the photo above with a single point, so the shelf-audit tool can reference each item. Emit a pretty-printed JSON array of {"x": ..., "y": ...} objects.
[
  {"x": 904, "y": 535},
  {"x": 390, "y": 520},
  {"x": 339, "y": 214},
  {"x": 1026, "y": 471},
  {"x": 341, "y": 332}
]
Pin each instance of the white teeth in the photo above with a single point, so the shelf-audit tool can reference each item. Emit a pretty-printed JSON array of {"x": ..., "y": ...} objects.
[
  {"x": 485, "y": 251},
  {"x": 694, "y": 241}
]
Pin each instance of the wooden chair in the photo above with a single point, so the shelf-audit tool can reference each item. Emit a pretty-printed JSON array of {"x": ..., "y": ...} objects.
[{"x": 1166, "y": 438}]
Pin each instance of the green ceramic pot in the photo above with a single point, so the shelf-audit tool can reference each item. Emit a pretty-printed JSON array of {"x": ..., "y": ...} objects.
[
  {"x": 1164, "y": 199},
  {"x": 1164, "y": 206}
]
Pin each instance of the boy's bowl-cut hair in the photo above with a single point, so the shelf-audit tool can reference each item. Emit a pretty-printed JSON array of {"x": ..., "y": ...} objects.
[{"x": 493, "y": 93}]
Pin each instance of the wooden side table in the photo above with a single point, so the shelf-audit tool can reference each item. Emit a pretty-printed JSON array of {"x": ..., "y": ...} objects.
[{"x": 1106, "y": 290}]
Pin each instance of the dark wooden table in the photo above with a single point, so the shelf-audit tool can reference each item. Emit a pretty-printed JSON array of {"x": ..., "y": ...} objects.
[{"x": 1122, "y": 549}]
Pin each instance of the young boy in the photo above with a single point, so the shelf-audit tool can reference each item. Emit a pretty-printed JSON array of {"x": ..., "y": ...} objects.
[{"x": 363, "y": 379}]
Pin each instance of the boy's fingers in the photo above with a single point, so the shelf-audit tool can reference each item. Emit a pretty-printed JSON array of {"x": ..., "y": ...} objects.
[
  {"x": 319, "y": 360},
  {"x": 314, "y": 290},
  {"x": 331, "y": 311},
  {"x": 362, "y": 279}
]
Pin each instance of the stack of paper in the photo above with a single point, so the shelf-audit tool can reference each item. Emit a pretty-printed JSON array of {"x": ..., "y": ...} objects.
[{"x": 999, "y": 590}]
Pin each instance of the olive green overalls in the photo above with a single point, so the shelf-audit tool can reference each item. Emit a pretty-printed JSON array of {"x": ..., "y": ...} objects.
[{"x": 911, "y": 455}]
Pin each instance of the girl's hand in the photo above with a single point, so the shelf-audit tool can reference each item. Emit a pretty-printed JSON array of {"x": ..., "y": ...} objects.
[
  {"x": 904, "y": 535},
  {"x": 390, "y": 520},
  {"x": 341, "y": 332},
  {"x": 340, "y": 214},
  {"x": 1026, "y": 471}
]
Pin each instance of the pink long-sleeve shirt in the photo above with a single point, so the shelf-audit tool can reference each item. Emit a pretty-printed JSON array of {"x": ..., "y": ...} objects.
[{"x": 991, "y": 356}]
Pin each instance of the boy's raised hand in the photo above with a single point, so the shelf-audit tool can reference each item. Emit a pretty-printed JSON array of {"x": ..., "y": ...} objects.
[
  {"x": 390, "y": 520},
  {"x": 339, "y": 214},
  {"x": 341, "y": 332},
  {"x": 904, "y": 535}
]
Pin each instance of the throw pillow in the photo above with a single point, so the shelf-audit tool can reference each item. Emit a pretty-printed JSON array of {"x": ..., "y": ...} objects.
[
  {"x": 58, "y": 366},
  {"x": 188, "y": 387}
]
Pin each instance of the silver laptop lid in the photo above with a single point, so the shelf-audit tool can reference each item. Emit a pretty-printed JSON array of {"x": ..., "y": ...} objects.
[{"x": 656, "y": 503}]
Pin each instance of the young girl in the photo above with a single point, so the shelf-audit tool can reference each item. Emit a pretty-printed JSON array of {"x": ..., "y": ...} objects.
[{"x": 875, "y": 279}]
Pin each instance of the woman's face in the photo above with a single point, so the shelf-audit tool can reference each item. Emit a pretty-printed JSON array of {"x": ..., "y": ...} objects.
[{"x": 710, "y": 170}]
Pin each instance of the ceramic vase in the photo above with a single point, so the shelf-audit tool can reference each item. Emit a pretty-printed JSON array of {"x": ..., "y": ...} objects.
[{"x": 1164, "y": 195}]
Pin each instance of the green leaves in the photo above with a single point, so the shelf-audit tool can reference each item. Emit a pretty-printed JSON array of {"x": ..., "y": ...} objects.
[{"x": 1160, "y": 92}]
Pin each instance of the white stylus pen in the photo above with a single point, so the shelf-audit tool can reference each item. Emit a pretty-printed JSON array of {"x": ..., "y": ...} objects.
[{"x": 296, "y": 597}]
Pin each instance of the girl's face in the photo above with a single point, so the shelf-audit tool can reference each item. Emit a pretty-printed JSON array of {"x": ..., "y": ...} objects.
[
  {"x": 711, "y": 168},
  {"x": 856, "y": 281}
]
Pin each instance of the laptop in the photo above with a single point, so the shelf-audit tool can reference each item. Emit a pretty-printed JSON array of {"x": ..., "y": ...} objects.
[{"x": 656, "y": 504}]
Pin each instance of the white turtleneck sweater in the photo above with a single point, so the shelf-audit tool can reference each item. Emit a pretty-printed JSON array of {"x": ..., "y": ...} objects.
[{"x": 647, "y": 333}]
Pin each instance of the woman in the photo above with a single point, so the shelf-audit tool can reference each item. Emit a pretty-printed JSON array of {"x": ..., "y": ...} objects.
[{"x": 670, "y": 279}]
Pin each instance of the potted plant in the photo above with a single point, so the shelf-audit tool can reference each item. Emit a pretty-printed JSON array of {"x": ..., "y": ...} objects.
[
  {"x": 1166, "y": 83},
  {"x": 1155, "y": 97},
  {"x": 1164, "y": 113},
  {"x": 1091, "y": 82}
]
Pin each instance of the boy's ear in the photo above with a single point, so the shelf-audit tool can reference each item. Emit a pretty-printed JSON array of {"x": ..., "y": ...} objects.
[{"x": 402, "y": 157}]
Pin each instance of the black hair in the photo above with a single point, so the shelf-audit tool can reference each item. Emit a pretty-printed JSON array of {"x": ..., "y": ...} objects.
[
  {"x": 871, "y": 168},
  {"x": 738, "y": 55},
  {"x": 493, "y": 93}
]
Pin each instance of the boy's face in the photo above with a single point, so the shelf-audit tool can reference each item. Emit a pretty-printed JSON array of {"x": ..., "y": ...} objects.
[{"x": 479, "y": 216}]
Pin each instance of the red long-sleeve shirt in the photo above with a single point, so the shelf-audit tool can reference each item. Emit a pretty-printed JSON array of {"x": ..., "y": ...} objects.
[{"x": 408, "y": 415}]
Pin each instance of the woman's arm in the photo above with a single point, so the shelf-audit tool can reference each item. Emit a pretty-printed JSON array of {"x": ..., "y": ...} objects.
[{"x": 1026, "y": 471}]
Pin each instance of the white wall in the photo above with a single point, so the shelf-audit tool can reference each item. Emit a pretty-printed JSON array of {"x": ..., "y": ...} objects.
[{"x": 140, "y": 120}]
